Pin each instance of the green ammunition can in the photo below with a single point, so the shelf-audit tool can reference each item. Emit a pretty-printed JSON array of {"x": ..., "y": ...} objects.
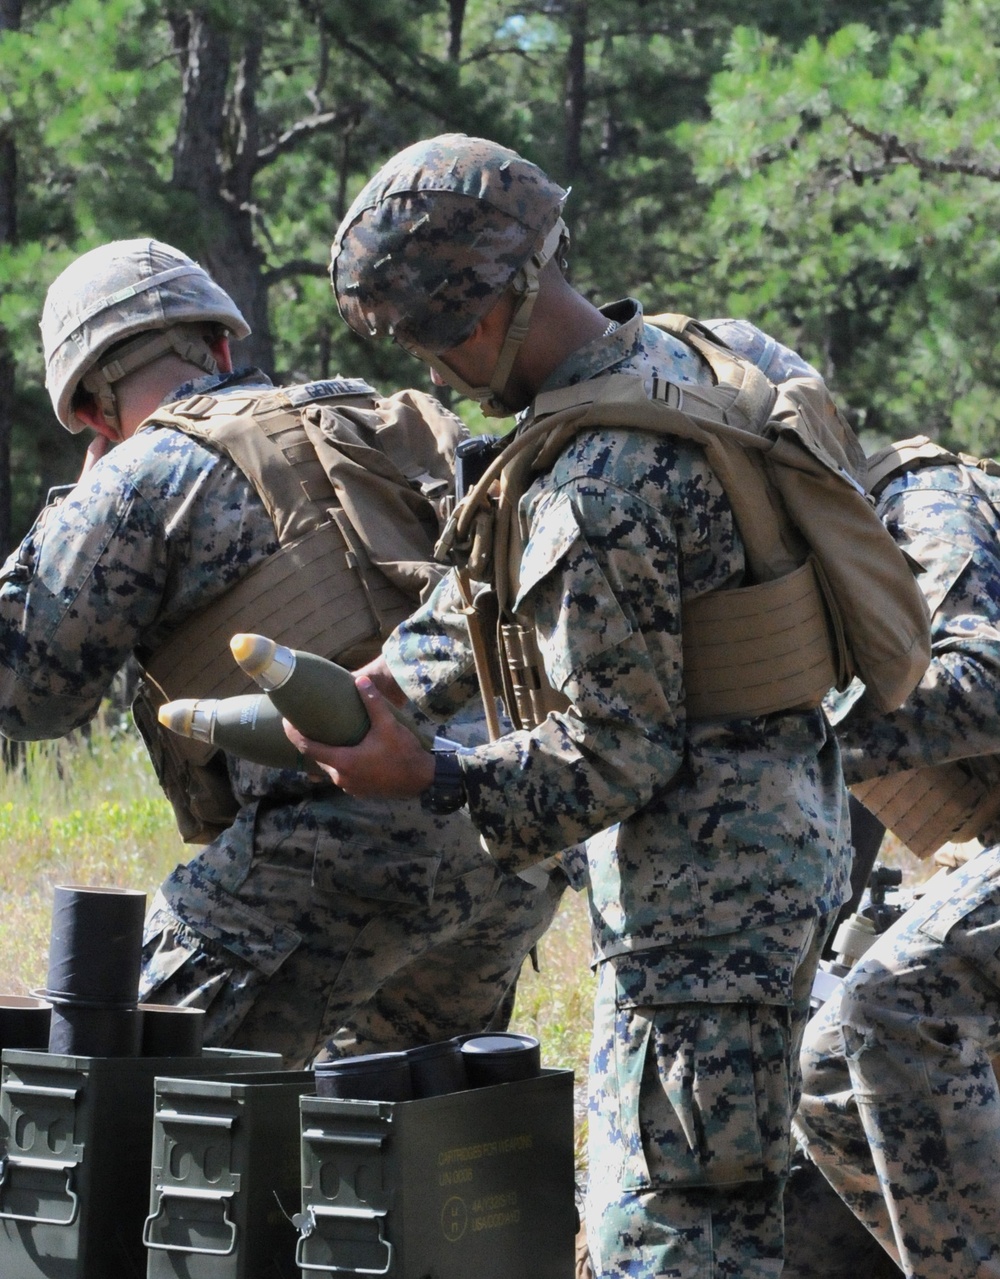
[
  {"x": 479, "y": 1182},
  {"x": 225, "y": 1177},
  {"x": 75, "y": 1143}
]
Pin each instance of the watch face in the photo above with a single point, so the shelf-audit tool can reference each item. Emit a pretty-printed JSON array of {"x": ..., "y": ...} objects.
[{"x": 446, "y": 793}]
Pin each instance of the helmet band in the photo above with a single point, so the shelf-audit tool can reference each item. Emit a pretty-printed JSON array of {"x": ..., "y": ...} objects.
[
  {"x": 525, "y": 285},
  {"x": 137, "y": 354}
]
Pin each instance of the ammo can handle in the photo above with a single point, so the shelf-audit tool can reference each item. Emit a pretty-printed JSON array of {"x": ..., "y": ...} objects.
[
  {"x": 172, "y": 1192},
  {"x": 11, "y": 1161},
  {"x": 308, "y": 1226},
  {"x": 319, "y": 1136}
]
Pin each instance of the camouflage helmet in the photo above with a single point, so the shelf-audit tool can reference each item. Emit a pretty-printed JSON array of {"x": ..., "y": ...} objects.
[
  {"x": 121, "y": 290},
  {"x": 436, "y": 237}
]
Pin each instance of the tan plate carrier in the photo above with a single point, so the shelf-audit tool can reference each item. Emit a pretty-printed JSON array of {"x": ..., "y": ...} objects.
[
  {"x": 352, "y": 482},
  {"x": 951, "y": 803},
  {"x": 830, "y": 593}
]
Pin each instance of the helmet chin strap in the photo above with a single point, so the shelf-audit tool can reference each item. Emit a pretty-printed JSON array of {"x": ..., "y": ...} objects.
[
  {"x": 525, "y": 286},
  {"x": 141, "y": 351}
]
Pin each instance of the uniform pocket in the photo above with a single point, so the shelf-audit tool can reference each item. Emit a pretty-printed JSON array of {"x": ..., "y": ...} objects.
[
  {"x": 566, "y": 595},
  {"x": 211, "y": 914},
  {"x": 392, "y": 851},
  {"x": 714, "y": 1102}
]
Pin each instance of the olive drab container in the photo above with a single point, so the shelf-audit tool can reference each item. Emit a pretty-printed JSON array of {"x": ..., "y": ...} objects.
[
  {"x": 225, "y": 1177},
  {"x": 75, "y": 1141},
  {"x": 478, "y": 1183}
]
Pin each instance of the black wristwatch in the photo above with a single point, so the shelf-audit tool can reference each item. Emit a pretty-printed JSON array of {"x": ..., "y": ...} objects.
[{"x": 446, "y": 793}]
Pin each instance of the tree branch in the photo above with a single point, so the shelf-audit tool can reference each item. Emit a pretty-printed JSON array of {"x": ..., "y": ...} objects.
[
  {"x": 400, "y": 88},
  {"x": 895, "y": 152},
  {"x": 297, "y": 266},
  {"x": 303, "y": 129}
]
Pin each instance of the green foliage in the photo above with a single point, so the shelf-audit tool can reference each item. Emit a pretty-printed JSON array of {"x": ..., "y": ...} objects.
[
  {"x": 855, "y": 211},
  {"x": 782, "y": 207}
]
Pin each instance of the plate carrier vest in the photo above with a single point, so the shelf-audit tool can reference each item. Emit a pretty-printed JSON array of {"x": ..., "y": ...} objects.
[
  {"x": 830, "y": 595},
  {"x": 354, "y": 484}
]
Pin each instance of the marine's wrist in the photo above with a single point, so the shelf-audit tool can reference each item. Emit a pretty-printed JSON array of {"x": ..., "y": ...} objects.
[{"x": 446, "y": 791}]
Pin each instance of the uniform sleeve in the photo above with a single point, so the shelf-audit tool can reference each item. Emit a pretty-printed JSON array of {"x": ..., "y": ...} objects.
[
  {"x": 73, "y": 599},
  {"x": 430, "y": 656},
  {"x": 954, "y": 713},
  {"x": 158, "y": 529},
  {"x": 600, "y": 575}
]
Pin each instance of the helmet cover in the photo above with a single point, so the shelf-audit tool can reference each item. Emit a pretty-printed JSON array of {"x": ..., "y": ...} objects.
[
  {"x": 436, "y": 237},
  {"x": 114, "y": 292}
]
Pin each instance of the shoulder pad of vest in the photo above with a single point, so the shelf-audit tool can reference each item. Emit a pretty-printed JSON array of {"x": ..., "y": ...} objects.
[
  {"x": 328, "y": 389},
  {"x": 905, "y": 455}
]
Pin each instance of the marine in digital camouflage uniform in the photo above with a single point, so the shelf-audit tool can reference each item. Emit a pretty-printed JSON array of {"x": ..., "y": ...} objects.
[
  {"x": 723, "y": 851},
  {"x": 315, "y": 919},
  {"x": 901, "y": 1107}
]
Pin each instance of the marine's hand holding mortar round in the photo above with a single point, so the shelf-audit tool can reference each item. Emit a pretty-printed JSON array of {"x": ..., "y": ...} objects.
[
  {"x": 388, "y": 763},
  {"x": 377, "y": 670}
]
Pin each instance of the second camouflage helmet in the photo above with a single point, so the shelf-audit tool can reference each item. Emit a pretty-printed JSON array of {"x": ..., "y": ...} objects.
[
  {"x": 436, "y": 237},
  {"x": 117, "y": 291}
]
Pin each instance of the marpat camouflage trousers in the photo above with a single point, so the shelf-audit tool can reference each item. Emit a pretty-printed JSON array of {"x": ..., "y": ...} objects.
[
  {"x": 689, "y": 1129},
  {"x": 401, "y": 934},
  {"x": 900, "y": 1106}
]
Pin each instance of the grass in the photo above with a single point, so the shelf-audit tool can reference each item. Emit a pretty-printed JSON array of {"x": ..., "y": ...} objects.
[
  {"x": 83, "y": 810},
  {"x": 88, "y": 810}
]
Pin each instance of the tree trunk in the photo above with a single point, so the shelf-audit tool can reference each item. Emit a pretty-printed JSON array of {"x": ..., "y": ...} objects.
[
  {"x": 10, "y": 20},
  {"x": 576, "y": 86},
  {"x": 215, "y": 158},
  {"x": 456, "y": 21}
]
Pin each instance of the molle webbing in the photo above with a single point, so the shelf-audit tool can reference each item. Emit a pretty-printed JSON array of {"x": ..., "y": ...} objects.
[
  {"x": 907, "y": 455},
  {"x": 916, "y": 452},
  {"x": 307, "y": 596},
  {"x": 758, "y": 649},
  {"x": 928, "y": 807},
  {"x": 318, "y": 592},
  {"x": 527, "y": 693}
]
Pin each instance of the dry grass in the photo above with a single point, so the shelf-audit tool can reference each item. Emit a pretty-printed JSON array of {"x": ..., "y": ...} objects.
[{"x": 556, "y": 1003}]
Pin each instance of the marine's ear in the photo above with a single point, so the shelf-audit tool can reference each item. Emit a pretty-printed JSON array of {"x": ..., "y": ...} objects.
[
  {"x": 223, "y": 356},
  {"x": 88, "y": 410}
]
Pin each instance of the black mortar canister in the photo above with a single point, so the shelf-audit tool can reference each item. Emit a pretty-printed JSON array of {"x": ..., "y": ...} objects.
[
  {"x": 171, "y": 1030},
  {"x": 437, "y": 1069},
  {"x": 372, "y": 1077},
  {"x": 500, "y": 1057},
  {"x": 94, "y": 1030},
  {"x": 95, "y": 948},
  {"x": 24, "y": 1022}
]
